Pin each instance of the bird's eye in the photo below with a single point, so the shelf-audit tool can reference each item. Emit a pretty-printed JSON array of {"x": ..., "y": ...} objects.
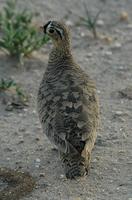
[{"x": 51, "y": 30}]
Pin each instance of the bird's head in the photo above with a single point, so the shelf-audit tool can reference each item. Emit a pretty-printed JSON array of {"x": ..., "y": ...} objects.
[{"x": 58, "y": 32}]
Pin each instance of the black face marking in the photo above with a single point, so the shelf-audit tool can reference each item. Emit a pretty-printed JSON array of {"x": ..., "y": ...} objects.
[
  {"x": 45, "y": 26},
  {"x": 59, "y": 33}
]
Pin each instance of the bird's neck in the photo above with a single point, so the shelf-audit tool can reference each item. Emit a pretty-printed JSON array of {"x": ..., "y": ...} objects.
[{"x": 60, "y": 55}]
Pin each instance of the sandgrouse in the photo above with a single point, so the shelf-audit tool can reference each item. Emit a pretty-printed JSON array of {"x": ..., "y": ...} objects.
[{"x": 67, "y": 104}]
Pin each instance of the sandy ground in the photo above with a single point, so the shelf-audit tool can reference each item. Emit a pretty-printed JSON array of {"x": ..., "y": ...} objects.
[{"x": 22, "y": 143}]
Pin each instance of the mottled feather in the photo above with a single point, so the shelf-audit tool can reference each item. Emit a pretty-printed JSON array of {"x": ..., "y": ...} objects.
[{"x": 68, "y": 106}]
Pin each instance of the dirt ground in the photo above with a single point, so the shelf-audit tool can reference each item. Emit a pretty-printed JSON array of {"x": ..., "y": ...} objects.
[{"x": 23, "y": 145}]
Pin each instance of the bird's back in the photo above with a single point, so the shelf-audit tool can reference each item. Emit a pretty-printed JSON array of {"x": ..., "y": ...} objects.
[{"x": 67, "y": 105}]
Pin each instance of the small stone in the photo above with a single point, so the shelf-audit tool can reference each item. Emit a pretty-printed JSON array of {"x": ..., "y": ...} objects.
[
  {"x": 129, "y": 26},
  {"x": 124, "y": 135},
  {"x": 21, "y": 140},
  {"x": 22, "y": 129},
  {"x": 98, "y": 91},
  {"x": 42, "y": 175},
  {"x": 37, "y": 160},
  {"x": 37, "y": 123},
  {"x": 109, "y": 40},
  {"x": 100, "y": 22},
  {"x": 9, "y": 108},
  {"x": 30, "y": 95},
  {"x": 18, "y": 162},
  {"x": 25, "y": 109},
  {"x": 37, "y": 139},
  {"x": 37, "y": 166},
  {"x": 34, "y": 112},
  {"x": 21, "y": 114},
  {"x": 39, "y": 127},
  {"x": 8, "y": 158},
  {"x": 62, "y": 176},
  {"x": 69, "y": 23},
  {"x": 118, "y": 112},
  {"x": 107, "y": 53},
  {"x": 116, "y": 45},
  {"x": 124, "y": 16},
  {"x": 126, "y": 92},
  {"x": 76, "y": 198},
  {"x": 82, "y": 34},
  {"x": 8, "y": 149},
  {"x": 89, "y": 55},
  {"x": 16, "y": 133},
  {"x": 121, "y": 67}
]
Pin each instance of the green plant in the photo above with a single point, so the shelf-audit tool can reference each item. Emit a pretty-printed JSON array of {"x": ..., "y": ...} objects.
[
  {"x": 90, "y": 21},
  {"x": 19, "y": 36},
  {"x": 13, "y": 87},
  {"x": 6, "y": 84}
]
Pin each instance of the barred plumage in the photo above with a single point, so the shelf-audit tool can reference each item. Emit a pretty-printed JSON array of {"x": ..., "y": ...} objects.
[{"x": 67, "y": 104}]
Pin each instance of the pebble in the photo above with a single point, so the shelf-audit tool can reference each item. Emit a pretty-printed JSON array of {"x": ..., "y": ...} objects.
[
  {"x": 108, "y": 39},
  {"x": 62, "y": 176},
  {"x": 77, "y": 198},
  {"x": 16, "y": 133},
  {"x": 89, "y": 55},
  {"x": 124, "y": 16},
  {"x": 118, "y": 112},
  {"x": 116, "y": 45},
  {"x": 25, "y": 109},
  {"x": 126, "y": 92},
  {"x": 22, "y": 115},
  {"x": 22, "y": 129},
  {"x": 37, "y": 139},
  {"x": 37, "y": 166},
  {"x": 121, "y": 67},
  {"x": 124, "y": 135},
  {"x": 37, "y": 123},
  {"x": 34, "y": 111},
  {"x": 82, "y": 34},
  {"x": 107, "y": 53},
  {"x": 69, "y": 23},
  {"x": 129, "y": 26},
  {"x": 8, "y": 158},
  {"x": 8, "y": 149},
  {"x": 100, "y": 22},
  {"x": 21, "y": 140},
  {"x": 42, "y": 175},
  {"x": 38, "y": 127},
  {"x": 37, "y": 160}
]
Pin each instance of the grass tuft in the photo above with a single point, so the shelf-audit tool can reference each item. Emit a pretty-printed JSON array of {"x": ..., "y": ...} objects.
[
  {"x": 90, "y": 21},
  {"x": 18, "y": 35},
  {"x": 11, "y": 86}
]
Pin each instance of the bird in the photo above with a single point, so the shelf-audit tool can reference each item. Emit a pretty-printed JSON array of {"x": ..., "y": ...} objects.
[{"x": 68, "y": 105}]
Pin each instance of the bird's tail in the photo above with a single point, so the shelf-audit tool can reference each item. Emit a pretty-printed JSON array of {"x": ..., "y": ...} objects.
[{"x": 74, "y": 166}]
